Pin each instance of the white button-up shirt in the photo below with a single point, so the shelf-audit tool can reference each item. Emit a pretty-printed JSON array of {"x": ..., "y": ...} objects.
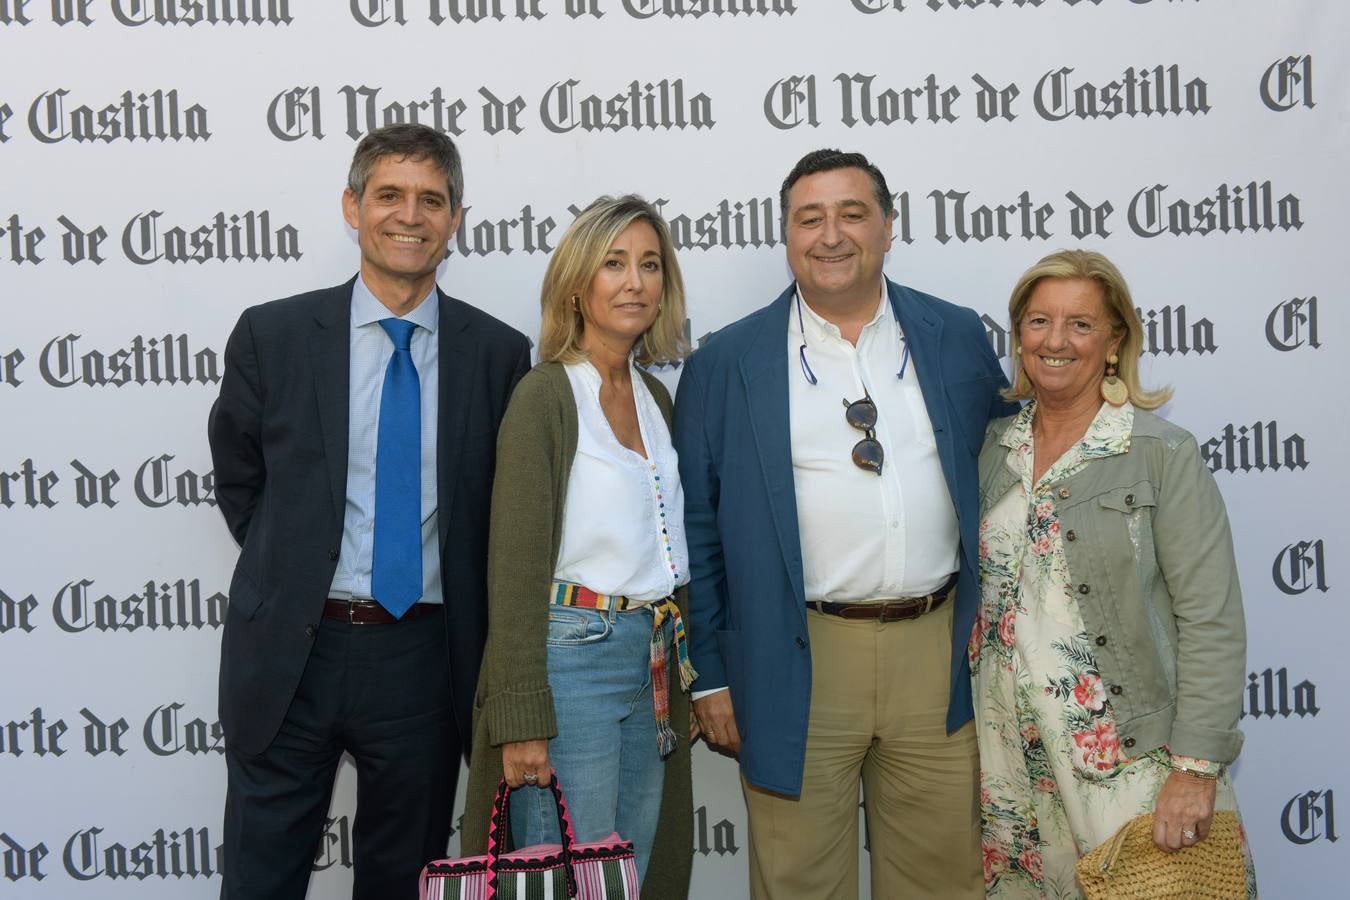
[
  {"x": 623, "y": 519},
  {"x": 865, "y": 537}
]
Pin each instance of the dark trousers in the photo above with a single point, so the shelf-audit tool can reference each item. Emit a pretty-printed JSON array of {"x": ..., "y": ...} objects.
[{"x": 382, "y": 694}]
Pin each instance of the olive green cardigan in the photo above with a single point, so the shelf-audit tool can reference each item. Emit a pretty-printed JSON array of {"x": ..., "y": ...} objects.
[{"x": 535, "y": 447}]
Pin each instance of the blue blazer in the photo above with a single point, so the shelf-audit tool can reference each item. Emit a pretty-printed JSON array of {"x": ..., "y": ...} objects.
[{"x": 747, "y": 601}]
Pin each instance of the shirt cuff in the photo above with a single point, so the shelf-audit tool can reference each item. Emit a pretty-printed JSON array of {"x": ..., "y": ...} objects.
[
  {"x": 1196, "y": 765},
  {"x": 699, "y": 695}
]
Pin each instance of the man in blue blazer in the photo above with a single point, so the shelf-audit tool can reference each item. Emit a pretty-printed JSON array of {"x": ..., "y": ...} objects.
[
  {"x": 354, "y": 441},
  {"x": 828, "y": 448}
]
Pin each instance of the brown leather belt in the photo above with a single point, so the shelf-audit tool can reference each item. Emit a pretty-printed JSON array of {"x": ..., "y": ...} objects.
[
  {"x": 368, "y": 612},
  {"x": 888, "y": 610}
]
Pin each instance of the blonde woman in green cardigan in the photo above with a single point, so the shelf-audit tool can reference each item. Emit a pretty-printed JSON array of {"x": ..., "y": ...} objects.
[{"x": 585, "y": 669}]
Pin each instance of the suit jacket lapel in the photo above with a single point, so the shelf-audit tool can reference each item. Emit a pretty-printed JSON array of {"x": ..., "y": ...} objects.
[
  {"x": 330, "y": 357},
  {"x": 764, "y": 371},
  {"x": 923, "y": 332},
  {"x": 457, "y": 363}
]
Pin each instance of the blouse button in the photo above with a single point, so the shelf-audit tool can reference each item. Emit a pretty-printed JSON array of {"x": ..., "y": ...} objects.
[
  {"x": 1071, "y": 535},
  {"x": 1117, "y": 689},
  {"x": 1129, "y": 499},
  {"x": 1101, "y": 640},
  {"x": 1064, "y": 493},
  {"x": 1084, "y": 589},
  {"x": 1128, "y": 742}
]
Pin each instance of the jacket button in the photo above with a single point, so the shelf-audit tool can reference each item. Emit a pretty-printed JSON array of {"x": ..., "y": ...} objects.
[
  {"x": 332, "y": 554},
  {"x": 1117, "y": 689},
  {"x": 1129, "y": 499},
  {"x": 1084, "y": 589},
  {"x": 1071, "y": 535},
  {"x": 1101, "y": 640},
  {"x": 800, "y": 642},
  {"x": 310, "y": 631},
  {"x": 1064, "y": 493},
  {"x": 1128, "y": 742}
]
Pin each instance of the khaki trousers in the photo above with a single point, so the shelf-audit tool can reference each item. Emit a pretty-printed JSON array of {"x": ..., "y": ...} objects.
[{"x": 878, "y": 715}]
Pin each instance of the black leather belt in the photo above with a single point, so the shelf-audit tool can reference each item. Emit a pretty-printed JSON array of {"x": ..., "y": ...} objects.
[
  {"x": 368, "y": 612},
  {"x": 888, "y": 610}
]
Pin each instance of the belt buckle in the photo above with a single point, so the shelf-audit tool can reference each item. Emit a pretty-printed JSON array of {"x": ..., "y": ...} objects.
[{"x": 351, "y": 610}]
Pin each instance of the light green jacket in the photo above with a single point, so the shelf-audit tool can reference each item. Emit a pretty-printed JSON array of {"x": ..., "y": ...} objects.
[{"x": 1151, "y": 562}]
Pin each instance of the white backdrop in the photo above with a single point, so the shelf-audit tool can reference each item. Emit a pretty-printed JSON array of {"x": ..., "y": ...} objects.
[{"x": 165, "y": 164}]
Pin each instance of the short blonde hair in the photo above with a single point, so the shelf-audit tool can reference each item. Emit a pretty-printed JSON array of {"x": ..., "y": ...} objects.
[
  {"x": 1119, "y": 306},
  {"x": 580, "y": 254}
]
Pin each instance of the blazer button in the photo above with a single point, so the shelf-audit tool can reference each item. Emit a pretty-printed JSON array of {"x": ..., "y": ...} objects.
[
  {"x": 1084, "y": 589},
  {"x": 310, "y": 631},
  {"x": 1129, "y": 499},
  {"x": 1064, "y": 493},
  {"x": 332, "y": 554},
  {"x": 1071, "y": 535},
  {"x": 1128, "y": 742},
  {"x": 1117, "y": 689},
  {"x": 1101, "y": 640},
  {"x": 800, "y": 642}
]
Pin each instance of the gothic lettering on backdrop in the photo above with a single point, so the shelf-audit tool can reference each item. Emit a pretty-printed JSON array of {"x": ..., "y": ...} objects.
[{"x": 168, "y": 163}]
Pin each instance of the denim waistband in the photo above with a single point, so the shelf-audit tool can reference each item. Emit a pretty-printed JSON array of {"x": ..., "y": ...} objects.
[{"x": 567, "y": 594}]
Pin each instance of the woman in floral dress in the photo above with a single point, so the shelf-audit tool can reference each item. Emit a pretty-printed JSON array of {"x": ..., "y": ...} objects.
[{"x": 1108, "y": 656}]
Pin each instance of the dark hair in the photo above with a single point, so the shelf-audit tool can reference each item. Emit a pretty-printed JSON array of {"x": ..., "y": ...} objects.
[
  {"x": 415, "y": 142},
  {"x": 827, "y": 160}
]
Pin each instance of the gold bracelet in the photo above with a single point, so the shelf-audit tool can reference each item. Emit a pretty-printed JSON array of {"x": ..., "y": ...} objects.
[{"x": 1196, "y": 773}]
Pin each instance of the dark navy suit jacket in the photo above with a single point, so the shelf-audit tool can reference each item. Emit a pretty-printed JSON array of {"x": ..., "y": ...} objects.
[
  {"x": 747, "y": 601},
  {"x": 278, "y": 436}
]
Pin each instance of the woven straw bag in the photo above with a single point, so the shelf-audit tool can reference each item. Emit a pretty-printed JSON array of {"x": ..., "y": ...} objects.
[{"x": 1131, "y": 867}]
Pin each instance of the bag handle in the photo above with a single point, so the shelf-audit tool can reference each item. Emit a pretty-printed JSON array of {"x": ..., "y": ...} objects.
[{"x": 500, "y": 828}]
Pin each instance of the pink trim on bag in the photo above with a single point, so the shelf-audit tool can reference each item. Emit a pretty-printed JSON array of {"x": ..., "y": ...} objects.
[{"x": 581, "y": 863}]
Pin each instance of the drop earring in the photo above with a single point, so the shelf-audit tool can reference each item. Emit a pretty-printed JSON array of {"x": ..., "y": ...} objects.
[{"x": 1114, "y": 390}]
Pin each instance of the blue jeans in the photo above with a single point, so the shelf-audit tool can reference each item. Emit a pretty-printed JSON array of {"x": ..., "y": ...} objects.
[{"x": 605, "y": 753}]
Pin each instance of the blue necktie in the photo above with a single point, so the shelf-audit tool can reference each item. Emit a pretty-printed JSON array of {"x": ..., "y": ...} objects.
[{"x": 396, "y": 575}]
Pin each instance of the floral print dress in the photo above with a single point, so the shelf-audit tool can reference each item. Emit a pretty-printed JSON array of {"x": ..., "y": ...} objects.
[{"x": 1054, "y": 779}]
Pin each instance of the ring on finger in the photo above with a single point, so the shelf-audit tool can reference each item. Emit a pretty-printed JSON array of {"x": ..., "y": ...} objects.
[
  {"x": 1188, "y": 834},
  {"x": 531, "y": 778}
]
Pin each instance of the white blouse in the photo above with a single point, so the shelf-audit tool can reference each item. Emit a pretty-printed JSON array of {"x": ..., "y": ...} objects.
[{"x": 623, "y": 518}]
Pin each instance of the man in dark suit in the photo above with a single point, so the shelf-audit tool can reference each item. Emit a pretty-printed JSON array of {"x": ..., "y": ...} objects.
[
  {"x": 833, "y": 552},
  {"x": 354, "y": 441}
]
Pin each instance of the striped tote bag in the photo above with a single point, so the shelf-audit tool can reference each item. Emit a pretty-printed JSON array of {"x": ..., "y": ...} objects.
[{"x": 602, "y": 870}]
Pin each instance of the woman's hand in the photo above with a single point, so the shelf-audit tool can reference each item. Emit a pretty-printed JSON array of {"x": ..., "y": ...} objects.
[
  {"x": 1185, "y": 806},
  {"x": 522, "y": 758}
]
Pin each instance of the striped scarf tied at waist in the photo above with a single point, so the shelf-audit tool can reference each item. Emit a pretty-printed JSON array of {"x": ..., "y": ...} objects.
[{"x": 565, "y": 594}]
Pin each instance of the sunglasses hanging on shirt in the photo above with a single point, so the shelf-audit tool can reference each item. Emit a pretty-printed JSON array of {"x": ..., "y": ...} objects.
[{"x": 860, "y": 414}]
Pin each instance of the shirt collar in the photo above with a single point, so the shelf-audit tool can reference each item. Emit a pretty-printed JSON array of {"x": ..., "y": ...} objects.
[
  {"x": 367, "y": 309},
  {"x": 817, "y": 326},
  {"x": 1108, "y": 435}
]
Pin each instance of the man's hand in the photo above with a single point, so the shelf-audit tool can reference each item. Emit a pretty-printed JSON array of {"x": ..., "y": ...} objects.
[
  {"x": 523, "y": 758},
  {"x": 1185, "y": 806},
  {"x": 717, "y": 720}
]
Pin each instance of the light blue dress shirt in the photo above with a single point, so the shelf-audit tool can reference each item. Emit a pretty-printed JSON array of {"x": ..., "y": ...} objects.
[{"x": 370, "y": 352}]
